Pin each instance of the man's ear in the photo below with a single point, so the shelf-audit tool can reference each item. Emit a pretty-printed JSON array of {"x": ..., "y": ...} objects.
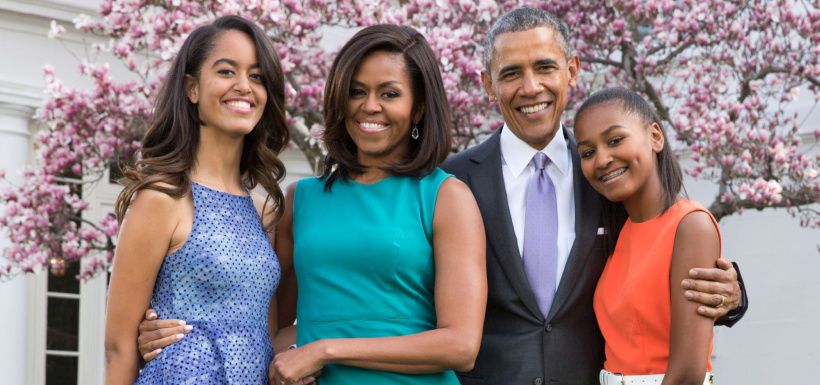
[
  {"x": 488, "y": 85},
  {"x": 656, "y": 137},
  {"x": 574, "y": 65},
  {"x": 192, "y": 89}
]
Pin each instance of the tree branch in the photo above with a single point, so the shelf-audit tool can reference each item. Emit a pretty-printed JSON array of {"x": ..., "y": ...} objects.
[
  {"x": 674, "y": 53},
  {"x": 722, "y": 209},
  {"x": 590, "y": 59}
]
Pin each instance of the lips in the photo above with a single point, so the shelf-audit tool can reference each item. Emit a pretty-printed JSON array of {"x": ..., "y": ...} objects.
[
  {"x": 372, "y": 127},
  {"x": 531, "y": 109},
  {"x": 612, "y": 174},
  {"x": 241, "y": 106}
]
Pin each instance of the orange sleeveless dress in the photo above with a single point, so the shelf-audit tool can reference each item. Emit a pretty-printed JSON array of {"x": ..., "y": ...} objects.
[{"x": 632, "y": 299}]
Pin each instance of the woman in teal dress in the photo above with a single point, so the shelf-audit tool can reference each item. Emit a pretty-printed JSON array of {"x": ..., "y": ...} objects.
[{"x": 388, "y": 249}]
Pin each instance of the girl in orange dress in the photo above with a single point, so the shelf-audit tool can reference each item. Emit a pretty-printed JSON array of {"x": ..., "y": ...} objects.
[{"x": 653, "y": 334}]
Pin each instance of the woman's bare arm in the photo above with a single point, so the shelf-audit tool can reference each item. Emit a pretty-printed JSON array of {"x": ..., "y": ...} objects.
[
  {"x": 697, "y": 244},
  {"x": 145, "y": 237}
]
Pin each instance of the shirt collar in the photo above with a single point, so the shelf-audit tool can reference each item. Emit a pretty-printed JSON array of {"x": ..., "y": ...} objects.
[{"x": 517, "y": 154}]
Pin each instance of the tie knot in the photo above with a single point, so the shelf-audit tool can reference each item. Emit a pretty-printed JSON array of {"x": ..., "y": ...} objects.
[{"x": 540, "y": 160}]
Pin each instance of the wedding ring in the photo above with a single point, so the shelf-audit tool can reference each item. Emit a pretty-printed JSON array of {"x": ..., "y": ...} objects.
[{"x": 722, "y": 301}]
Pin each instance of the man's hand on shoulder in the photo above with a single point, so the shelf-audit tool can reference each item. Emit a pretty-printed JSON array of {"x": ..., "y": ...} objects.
[
  {"x": 156, "y": 334},
  {"x": 716, "y": 289}
]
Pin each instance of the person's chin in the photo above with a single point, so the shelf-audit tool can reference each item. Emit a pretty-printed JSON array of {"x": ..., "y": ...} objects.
[{"x": 615, "y": 194}]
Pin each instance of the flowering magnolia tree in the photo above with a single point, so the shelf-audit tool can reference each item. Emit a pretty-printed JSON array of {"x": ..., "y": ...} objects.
[{"x": 722, "y": 74}]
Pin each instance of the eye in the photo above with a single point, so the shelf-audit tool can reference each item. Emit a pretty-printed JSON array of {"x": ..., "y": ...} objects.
[
  {"x": 390, "y": 94},
  {"x": 615, "y": 141},
  {"x": 257, "y": 77},
  {"x": 508, "y": 75},
  {"x": 354, "y": 92},
  {"x": 545, "y": 68},
  {"x": 225, "y": 72},
  {"x": 586, "y": 153}
]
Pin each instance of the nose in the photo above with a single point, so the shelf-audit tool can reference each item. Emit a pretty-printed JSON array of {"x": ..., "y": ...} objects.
[
  {"x": 531, "y": 86},
  {"x": 242, "y": 85},
  {"x": 602, "y": 159},
  {"x": 371, "y": 104}
]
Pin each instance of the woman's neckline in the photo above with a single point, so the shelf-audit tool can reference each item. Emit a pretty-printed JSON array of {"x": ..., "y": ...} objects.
[
  {"x": 355, "y": 182},
  {"x": 219, "y": 191},
  {"x": 659, "y": 215}
]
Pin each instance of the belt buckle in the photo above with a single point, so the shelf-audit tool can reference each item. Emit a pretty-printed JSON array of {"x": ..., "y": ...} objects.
[{"x": 623, "y": 380}]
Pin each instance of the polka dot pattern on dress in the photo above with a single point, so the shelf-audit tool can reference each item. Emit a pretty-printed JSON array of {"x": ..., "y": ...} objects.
[{"x": 221, "y": 282}]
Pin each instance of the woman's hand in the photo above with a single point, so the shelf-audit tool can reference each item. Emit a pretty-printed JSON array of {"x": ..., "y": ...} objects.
[{"x": 299, "y": 366}]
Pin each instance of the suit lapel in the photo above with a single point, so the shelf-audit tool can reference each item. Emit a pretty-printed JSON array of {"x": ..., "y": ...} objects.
[
  {"x": 587, "y": 218},
  {"x": 488, "y": 187}
]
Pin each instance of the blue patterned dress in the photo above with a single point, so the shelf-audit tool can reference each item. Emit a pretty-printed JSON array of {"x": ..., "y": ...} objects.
[{"x": 221, "y": 282}]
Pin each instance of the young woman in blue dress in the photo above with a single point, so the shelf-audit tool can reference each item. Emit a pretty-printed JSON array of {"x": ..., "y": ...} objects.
[
  {"x": 388, "y": 250},
  {"x": 193, "y": 242}
]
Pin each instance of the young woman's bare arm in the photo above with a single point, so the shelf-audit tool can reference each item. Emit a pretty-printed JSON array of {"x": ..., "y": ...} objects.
[
  {"x": 460, "y": 298},
  {"x": 146, "y": 235},
  {"x": 697, "y": 244},
  {"x": 286, "y": 293}
]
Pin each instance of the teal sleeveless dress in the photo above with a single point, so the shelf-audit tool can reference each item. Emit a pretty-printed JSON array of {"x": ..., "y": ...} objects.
[{"x": 363, "y": 256}]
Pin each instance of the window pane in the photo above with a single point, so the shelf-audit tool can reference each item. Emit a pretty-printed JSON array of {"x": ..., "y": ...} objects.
[
  {"x": 63, "y": 324},
  {"x": 61, "y": 370},
  {"x": 68, "y": 283},
  {"x": 115, "y": 171}
]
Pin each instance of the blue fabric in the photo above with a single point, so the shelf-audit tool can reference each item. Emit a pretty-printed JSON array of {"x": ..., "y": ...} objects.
[
  {"x": 221, "y": 282},
  {"x": 364, "y": 264}
]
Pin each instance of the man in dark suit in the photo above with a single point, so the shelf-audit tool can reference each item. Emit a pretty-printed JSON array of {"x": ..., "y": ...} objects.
[{"x": 534, "y": 335}]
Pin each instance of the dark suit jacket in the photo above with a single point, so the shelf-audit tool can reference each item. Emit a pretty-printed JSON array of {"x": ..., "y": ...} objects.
[{"x": 519, "y": 345}]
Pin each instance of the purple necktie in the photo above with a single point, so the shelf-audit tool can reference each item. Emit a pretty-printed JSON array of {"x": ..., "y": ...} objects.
[{"x": 541, "y": 234}]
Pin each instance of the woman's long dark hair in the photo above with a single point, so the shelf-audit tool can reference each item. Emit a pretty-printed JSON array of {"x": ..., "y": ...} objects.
[
  {"x": 669, "y": 171},
  {"x": 170, "y": 144},
  {"x": 434, "y": 143}
]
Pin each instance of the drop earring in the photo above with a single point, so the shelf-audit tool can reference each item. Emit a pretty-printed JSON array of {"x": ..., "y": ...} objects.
[{"x": 415, "y": 133}]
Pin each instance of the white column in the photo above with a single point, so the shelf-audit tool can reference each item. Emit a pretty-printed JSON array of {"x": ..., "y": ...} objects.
[{"x": 14, "y": 154}]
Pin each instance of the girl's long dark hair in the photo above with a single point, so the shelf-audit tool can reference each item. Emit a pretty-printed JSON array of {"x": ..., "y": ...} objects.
[
  {"x": 169, "y": 146},
  {"x": 669, "y": 171}
]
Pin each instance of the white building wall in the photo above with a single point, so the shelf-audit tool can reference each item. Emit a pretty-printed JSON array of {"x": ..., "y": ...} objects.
[
  {"x": 776, "y": 341},
  {"x": 14, "y": 145}
]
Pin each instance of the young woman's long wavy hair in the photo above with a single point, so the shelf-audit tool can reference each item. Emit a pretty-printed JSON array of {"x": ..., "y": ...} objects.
[{"x": 170, "y": 144}]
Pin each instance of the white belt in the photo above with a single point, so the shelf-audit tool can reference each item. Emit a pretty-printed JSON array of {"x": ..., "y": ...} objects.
[{"x": 609, "y": 378}]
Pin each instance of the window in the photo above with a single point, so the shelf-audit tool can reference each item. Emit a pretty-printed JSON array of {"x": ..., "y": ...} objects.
[{"x": 62, "y": 327}]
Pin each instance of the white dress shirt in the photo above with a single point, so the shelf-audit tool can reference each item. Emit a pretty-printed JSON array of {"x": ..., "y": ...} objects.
[{"x": 518, "y": 168}]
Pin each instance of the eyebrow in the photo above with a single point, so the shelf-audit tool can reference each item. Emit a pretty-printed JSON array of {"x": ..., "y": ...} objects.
[
  {"x": 381, "y": 85},
  {"x": 604, "y": 133},
  {"x": 539, "y": 62},
  {"x": 231, "y": 62}
]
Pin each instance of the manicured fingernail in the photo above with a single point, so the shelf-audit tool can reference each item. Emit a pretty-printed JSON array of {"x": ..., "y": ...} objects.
[
  {"x": 179, "y": 336},
  {"x": 687, "y": 283},
  {"x": 181, "y": 322},
  {"x": 689, "y": 294},
  {"x": 157, "y": 351},
  {"x": 189, "y": 328},
  {"x": 693, "y": 273}
]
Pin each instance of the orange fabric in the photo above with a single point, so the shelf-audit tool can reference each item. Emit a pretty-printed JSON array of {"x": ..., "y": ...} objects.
[{"x": 632, "y": 297}]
